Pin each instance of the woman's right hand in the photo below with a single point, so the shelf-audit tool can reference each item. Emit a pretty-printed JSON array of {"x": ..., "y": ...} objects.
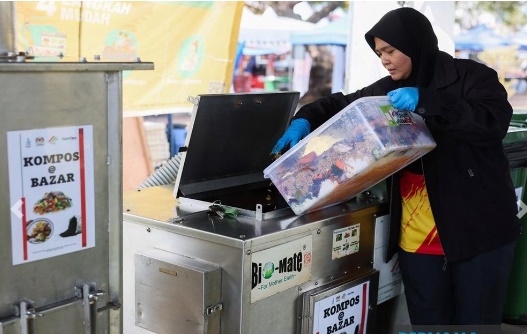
[{"x": 297, "y": 130}]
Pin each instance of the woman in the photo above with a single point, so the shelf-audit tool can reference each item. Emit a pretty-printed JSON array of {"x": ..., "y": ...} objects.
[{"x": 453, "y": 213}]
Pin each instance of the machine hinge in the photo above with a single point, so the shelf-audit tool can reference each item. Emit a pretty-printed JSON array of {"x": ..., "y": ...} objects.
[
  {"x": 193, "y": 99},
  {"x": 213, "y": 309}
]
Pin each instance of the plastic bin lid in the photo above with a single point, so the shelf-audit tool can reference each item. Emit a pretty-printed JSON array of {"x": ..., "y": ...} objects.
[{"x": 230, "y": 139}]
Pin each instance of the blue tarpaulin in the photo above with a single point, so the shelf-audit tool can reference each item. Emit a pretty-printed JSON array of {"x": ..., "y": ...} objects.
[
  {"x": 520, "y": 39},
  {"x": 479, "y": 38},
  {"x": 334, "y": 33}
]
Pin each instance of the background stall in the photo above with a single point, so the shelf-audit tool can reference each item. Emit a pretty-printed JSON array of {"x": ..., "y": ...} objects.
[
  {"x": 334, "y": 34},
  {"x": 265, "y": 42}
]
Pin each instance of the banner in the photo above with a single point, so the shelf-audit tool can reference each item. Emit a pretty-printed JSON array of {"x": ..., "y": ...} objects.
[{"x": 191, "y": 43}]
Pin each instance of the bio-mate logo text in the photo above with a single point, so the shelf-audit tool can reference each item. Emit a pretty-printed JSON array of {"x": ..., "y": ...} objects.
[{"x": 286, "y": 265}]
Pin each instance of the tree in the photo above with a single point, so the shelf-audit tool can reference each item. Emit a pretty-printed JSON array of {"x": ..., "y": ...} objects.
[
  {"x": 285, "y": 8},
  {"x": 510, "y": 14}
]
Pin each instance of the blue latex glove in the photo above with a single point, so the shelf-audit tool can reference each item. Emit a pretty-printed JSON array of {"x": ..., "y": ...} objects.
[
  {"x": 298, "y": 129},
  {"x": 405, "y": 98}
]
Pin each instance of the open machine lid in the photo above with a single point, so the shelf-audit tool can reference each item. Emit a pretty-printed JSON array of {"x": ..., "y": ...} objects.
[{"x": 230, "y": 138}]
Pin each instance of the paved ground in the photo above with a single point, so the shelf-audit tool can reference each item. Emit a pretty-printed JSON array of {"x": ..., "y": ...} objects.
[{"x": 510, "y": 329}]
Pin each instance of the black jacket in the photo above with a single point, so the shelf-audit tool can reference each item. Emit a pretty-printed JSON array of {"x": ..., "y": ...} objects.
[{"x": 467, "y": 175}]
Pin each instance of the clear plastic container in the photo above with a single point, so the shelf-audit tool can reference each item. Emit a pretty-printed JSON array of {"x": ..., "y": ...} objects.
[{"x": 360, "y": 146}]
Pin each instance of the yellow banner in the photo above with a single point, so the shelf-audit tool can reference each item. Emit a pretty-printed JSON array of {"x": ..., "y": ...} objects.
[{"x": 191, "y": 43}]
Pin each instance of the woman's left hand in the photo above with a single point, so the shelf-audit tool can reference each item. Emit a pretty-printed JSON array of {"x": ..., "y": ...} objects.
[{"x": 405, "y": 98}]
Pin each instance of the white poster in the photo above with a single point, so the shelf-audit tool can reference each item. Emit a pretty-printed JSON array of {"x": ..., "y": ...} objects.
[
  {"x": 390, "y": 281},
  {"x": 343, "y": 312},
  {"x": 282, "y": 267},
  {"x": 346, "y": 241},
  {"x": 51, "y": 186}
]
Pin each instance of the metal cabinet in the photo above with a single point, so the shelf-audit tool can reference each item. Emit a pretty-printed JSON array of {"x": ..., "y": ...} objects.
[
  {"x": 52, "y": 281},
  {"x": 274, "y": 275}
]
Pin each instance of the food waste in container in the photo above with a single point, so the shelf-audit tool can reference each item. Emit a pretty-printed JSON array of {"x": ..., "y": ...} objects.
[{"x": 360, "y": 146}]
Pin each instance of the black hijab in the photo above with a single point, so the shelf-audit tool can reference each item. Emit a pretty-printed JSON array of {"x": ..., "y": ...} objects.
[{"x": 410, "y": 32}]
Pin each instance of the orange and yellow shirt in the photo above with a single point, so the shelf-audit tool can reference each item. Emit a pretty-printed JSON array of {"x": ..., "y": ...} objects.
[{"x": 418, "y": 229}]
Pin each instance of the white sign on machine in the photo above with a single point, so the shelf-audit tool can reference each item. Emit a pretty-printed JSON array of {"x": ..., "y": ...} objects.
[
  {"x": 343, "y": 312},
  {"x": 346, "y": 241},
  {"x": 51, "y": 187},
  {"x": 279, "y": 268}
]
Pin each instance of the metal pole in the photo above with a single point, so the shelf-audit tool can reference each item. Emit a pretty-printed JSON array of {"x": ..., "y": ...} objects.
[{"x": 7, "y": 27}]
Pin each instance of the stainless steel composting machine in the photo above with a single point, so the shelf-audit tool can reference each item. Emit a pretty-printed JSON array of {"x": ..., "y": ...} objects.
[
  {"x": 227, "y": 255},
  {"x": 61, "y": 208}
]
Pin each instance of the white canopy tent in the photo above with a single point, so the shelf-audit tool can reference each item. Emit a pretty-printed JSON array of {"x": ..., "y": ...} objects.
[{"x": 268, "y": 33}]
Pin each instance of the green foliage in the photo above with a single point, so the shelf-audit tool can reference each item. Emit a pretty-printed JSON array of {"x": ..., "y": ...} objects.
[{"x": 511, "y": 14}]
